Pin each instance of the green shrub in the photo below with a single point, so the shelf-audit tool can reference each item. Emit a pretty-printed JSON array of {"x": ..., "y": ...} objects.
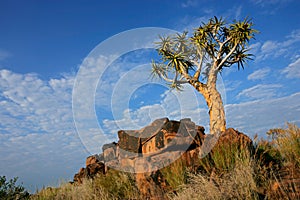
[{"x": 9, "y": 190}]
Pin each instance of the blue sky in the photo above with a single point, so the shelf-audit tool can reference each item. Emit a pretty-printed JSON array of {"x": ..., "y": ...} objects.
[{"x": 44, "y": 44}]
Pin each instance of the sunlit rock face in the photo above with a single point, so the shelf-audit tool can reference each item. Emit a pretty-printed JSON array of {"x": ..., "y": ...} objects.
[{"x": 146, "y": 151}]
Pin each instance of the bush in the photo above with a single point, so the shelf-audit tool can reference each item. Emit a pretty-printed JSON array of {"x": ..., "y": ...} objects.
[{"x": 9, "y": 190}]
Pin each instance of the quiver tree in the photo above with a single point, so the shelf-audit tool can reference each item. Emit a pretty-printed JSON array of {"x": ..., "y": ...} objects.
[{"x": 198, "y": 59}]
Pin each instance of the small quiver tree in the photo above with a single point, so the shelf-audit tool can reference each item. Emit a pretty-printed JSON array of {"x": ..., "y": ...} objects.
[{"x": 197, "y": 60}]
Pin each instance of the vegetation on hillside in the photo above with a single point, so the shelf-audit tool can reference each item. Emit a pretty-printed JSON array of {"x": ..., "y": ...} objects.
[
  {"x": 269, "y": 171},
  {"x": 9, "y": 190}
]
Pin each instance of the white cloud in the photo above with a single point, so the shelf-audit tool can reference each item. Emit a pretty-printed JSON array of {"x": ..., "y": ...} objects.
[
  {"x": 277, "y": 48},
  {"x": 254, "y": 48},
  {"x": 37, "y": 134},
  {"x": 259, "y": 74},
  {"x": 250, "y": 117},
  {"x": 264, "y": 3},
  {"x": 272, "y": 49},
  {"x": 269, "y": 46},
  {"x": 173, "y": 104},
  {"x": 292, "y": 70},
  {"x": 294, "y": 36},
  {"x": 261, "y": 115},
  {"x": 260, "y": 91},
  {"x": 232, "y": 85}
]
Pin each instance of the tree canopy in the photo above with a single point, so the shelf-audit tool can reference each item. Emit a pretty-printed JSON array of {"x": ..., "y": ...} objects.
[{"x": 215, "y": 44}]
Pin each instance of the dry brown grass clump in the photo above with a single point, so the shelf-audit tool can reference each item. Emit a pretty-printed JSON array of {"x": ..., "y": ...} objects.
[
  {"x": 114, "y": 185},
  {"x": 238, "y": 183}
]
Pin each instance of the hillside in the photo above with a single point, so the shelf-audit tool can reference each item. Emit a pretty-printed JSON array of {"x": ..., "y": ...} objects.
[{"x": 177, "y": 160}]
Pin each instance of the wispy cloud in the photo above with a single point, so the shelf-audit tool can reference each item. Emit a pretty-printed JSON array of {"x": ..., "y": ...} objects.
[
  {"x": 261, "y": 115},
  {"x": 264, "y": 3},
  {"x": 260, "y": 91},
  {"x": 189, "y": 3},
  {"x": 251, "y": 117},
  {"x": 292, "y": 70},
  {"x": 173, "y": 104},
  {"x": 259, "y": 74},
  {"x": 270, "y": 7},
  {"x": 231, "y": 85},
  {"x": 274, "y": 49}
]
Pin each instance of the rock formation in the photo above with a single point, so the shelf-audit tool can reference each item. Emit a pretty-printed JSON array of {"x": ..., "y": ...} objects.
[
  {"x": 144, "y": 152},
  {"x": 94, "y": 165}
]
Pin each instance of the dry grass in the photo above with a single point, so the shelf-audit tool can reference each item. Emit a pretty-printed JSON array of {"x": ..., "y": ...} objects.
[
  {"x": 224, "y": 157},
  {"x": 271, "y": 173},
  {"x": 85, "y": 191},
  {"x": 231, "y": 172},
  {"x": 114, "y": 185},
  {"x": 238, "y": 183},
  {"x": 287, "y": 141}
]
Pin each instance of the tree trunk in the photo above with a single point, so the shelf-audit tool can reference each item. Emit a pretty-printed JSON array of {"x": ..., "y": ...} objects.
[
  {"x": 214, "y": 102},
  {"x": 217, "y": 120}
]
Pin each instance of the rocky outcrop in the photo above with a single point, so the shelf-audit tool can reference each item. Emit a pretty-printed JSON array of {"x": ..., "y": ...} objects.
[
  {"x": 94, "y": 165},
  {"x": 144, "y": 152}
]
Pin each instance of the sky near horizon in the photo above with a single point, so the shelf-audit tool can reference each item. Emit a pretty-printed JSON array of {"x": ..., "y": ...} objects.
[{"x": 46, "y": 48}]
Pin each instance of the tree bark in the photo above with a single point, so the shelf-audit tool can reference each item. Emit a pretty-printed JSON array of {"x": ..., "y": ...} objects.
[
  {"x": 216, "y": 112},
  {"x": 214, "y": 102}
]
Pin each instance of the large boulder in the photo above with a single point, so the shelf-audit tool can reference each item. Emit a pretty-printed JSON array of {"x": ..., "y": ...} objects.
[{"x": 132, "y": 141}]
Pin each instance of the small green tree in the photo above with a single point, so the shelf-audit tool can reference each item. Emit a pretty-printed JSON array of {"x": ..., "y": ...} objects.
[
  {"x": 10, "y": 191},
  {"x": 198, "y": 59}
]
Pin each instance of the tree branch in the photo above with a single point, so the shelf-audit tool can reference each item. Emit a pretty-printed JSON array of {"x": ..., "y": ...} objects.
[
  {"x": 227, "y": 56},
  {"x": 221, "y": 47},
  {"x": 217, "y": 39},
  {"x": 199, "y": 65},
  {"x": 161, "y": 75},
  {"x": 184, "y": 73}
]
